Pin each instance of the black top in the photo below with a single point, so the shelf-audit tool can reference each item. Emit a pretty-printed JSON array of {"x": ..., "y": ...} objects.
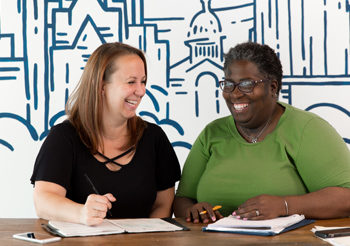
[{"x": 63, "y": 159}]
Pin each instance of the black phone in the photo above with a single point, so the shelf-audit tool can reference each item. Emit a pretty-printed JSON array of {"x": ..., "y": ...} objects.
[{"x": 341, "y": 232}]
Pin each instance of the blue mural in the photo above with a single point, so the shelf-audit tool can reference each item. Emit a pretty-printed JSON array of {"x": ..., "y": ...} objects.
[{"x": 42, "y": 56}]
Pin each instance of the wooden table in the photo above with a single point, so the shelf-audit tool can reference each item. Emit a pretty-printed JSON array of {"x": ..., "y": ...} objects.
[{"x": 300, "y": 236}]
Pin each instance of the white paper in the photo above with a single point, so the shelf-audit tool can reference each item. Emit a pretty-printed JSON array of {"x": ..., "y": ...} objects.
[
  {"x": 114, "y": 227},
  {"x": 339, "y": 241},
  {"x": 72, "y": 229},
  {"x": 145, "y": 225},
  {"x": 231, "y": 223}
]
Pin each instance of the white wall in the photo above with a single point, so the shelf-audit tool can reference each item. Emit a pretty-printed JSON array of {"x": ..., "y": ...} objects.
[{"x": 41, "y": 61}]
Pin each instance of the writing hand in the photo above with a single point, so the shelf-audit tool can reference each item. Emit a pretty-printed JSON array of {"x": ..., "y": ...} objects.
[
  {"x": 261, "y": 208},
  {"x": 193, "y": 213},
  {"x": 95, "y": 208}
]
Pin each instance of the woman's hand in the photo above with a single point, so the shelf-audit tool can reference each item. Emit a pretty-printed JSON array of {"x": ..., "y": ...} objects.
[
  {"x": 95, "y": 208},
  {"x": 261, "y": 208},
  {"x": 194, "y": 213}
]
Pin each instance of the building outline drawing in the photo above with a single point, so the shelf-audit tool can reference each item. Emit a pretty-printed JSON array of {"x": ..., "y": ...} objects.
[{"x": 42, "y": 58}]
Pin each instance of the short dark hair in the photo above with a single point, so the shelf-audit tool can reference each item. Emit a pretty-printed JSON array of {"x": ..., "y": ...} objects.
[{"x": 262, "y": 55}]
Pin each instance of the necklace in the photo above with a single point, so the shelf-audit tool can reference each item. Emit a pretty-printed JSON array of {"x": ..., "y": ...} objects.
[{"x": 255, "y": 139}]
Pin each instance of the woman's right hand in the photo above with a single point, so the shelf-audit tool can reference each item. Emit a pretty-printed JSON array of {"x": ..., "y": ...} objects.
[
  {"x": 95, "y": 208},
  {"x": 193, "y": 213}
]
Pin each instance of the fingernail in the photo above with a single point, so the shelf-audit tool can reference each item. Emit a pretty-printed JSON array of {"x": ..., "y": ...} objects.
[
  {"x": 234, "y": 213},
  {"x": 238, "y": 217},
  {"x": 213, "y": 218},
  {"x": 245, "y": 219}
]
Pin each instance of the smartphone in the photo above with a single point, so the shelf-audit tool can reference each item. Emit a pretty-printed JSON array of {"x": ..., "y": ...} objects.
[
  {"x": 36, "y": 237},
  {"x": 341, "y": 232}
]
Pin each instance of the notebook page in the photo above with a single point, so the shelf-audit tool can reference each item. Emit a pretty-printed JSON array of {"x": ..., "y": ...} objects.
[
  {"x": 73, "y": 229},
  {"x": 145, "y": 225},
  {"x": 275, "y": 225},
  {"x": 339, "y": 241}
]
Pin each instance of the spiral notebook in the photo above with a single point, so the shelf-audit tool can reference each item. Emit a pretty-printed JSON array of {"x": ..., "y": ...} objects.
[{"x": 258, "y": 227}]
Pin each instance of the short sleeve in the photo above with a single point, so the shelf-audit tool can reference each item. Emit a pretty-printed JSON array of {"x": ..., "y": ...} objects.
[
  {"x": 54, "y": 162},
  {"x": 168, "y": 170},
  {"x": 323, "y": 158},
  {"x": 194, "y": 167}
]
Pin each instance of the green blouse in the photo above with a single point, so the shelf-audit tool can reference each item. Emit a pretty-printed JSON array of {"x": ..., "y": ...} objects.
[{"x": 303, "y": 154}]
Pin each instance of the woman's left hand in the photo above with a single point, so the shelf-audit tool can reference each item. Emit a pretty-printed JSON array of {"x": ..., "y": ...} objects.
[{"x": 261, "y": 208}]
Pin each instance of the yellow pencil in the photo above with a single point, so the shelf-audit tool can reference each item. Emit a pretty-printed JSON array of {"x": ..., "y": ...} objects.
[{"x": 214, "y": 208}]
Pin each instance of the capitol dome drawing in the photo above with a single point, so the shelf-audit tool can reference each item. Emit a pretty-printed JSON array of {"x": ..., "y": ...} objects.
[
  {"x": 204, "y": 23},
  {"x": 204, "y": 35}
]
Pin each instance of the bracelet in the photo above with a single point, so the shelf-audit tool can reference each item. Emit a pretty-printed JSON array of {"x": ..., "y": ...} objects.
[{"x": 286, "y": 205}]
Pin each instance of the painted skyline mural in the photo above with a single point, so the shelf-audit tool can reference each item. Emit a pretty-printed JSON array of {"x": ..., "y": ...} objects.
[
  {"x": 44, "y": 46},
  {"x": 34, "y": 53}
]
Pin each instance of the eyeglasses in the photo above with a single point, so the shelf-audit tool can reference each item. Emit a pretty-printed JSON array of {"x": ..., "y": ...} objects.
[{"x": 245, "y": 86}]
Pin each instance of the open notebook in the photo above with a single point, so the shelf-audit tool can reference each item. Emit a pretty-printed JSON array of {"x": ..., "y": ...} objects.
[
  {"x": 116, "y": 226},
  {"x": 258, "y": 227}
]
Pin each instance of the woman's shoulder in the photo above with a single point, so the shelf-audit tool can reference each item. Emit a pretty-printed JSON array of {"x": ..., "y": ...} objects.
[
  {"x": 218, "y": 129},
  {"x": 152, "y": 126},
  {"x": 153, "y": 134},
  {"x": 300, "y": 116},
  {"x": 152, "y": 129},
  {"x": 63, "y": 129},
  {"x": 220, "y": 121},
  {"x": 298, "y": 122},
  {"x": 220, "y": 124},
  {"x": 65, "y": 126}
]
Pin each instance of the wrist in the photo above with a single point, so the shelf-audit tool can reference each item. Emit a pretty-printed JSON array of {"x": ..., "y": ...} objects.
[{"x": 81, "y": 214}]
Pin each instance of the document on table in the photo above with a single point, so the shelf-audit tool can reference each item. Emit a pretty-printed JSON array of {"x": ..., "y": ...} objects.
[
  {"x": 336, "y": 241},
  {"x": 116, "y": 226},
  {"x": 258, "y": 227}
]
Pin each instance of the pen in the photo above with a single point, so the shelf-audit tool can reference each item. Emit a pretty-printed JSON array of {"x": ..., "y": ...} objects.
[
  {"x": 214, "y": 208},
  {"x": 95, "y": 190}
]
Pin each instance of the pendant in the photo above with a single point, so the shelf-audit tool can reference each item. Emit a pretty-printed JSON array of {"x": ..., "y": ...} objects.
[{"x": 254, "y": 140}]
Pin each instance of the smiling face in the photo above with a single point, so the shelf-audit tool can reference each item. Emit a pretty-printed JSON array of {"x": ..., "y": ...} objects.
[
  {"x": 123, "y": 90},
  {"x": 250, "y": 110}
]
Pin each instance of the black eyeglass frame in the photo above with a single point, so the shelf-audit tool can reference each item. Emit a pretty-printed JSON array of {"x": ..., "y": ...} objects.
[{"x": 235, "y": 84}]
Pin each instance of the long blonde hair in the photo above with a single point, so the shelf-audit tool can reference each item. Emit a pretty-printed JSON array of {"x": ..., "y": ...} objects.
[{"x": 84, "y": 106}]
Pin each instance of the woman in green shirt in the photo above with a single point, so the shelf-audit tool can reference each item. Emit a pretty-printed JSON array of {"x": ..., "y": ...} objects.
[{"x": 269, "y": 159}]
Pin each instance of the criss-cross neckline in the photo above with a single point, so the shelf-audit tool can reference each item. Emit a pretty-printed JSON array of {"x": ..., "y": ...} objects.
[{"x": 112, "y": 160}]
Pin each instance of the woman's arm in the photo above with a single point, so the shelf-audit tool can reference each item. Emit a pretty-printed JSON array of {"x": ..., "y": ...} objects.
[
  {"x": 162, "y": 207},
  {"x": 191, "y": 210},
  {"x": 51, "y": 204},
  {"x": 181, "y": 204},
  {"x": 327, "y": 203},
  {"x": 185, "y": 204}
]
